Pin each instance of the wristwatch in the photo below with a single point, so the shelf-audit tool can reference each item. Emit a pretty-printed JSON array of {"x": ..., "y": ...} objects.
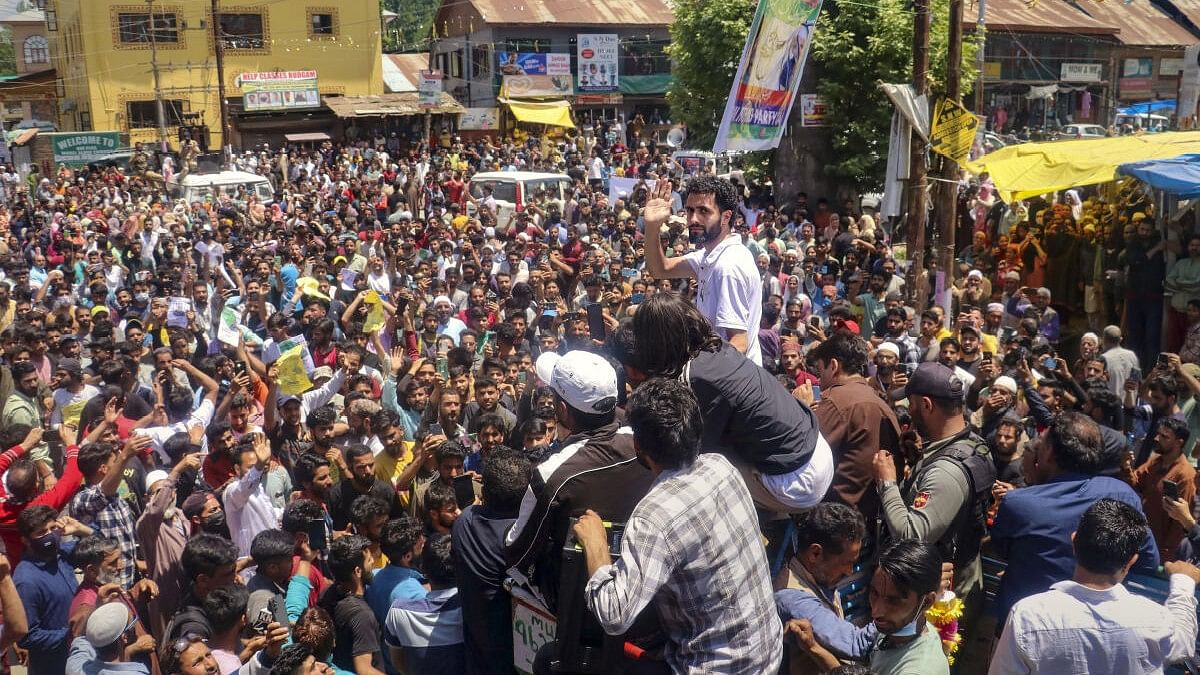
[{"x": 883, "y": 485}]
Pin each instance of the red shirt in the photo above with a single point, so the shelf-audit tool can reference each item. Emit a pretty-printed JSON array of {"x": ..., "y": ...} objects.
[{"x": 56, "y": 498}]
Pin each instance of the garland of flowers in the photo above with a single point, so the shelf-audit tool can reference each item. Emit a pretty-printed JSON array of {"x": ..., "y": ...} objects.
[{"x": 944, "y": 615}]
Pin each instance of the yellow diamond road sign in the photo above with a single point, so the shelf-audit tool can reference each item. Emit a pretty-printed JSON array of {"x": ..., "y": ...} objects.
[{"x": 953, "y": 130}]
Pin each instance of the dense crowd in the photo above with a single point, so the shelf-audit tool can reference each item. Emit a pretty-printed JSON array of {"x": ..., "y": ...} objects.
[{"x": 342, "y": 430}]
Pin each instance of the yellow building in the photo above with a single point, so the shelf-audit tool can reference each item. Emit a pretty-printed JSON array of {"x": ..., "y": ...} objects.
[{"x": 105, "y": 51}]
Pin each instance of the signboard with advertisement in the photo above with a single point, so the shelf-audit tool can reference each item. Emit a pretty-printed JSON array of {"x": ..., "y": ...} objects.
[
  {"x": 479, "y": 119},
  {"x": 1170, "y": 67},
  {"x": 597, "y": 58},
  {"x": 78, "y": 149},
  {"x": 538, "y": 85},
  {"x": 281, "y": 90},
  {"x": 525, "y": 63},
  {"x": 1137, "y": 68},
  {"x": 1082, "y": 72},
  {"x": 1136, "y": 86},
  {"x": 812, "y": 110},
  {"x": 429, "y": 91}
]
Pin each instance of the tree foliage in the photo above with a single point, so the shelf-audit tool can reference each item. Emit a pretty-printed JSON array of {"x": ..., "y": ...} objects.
[
  {"x": 707, "y": 37},
  {"x": 8, "y": 54},
  {"x": 410, "y": 30},
  {"x": 857, "y": 44}
]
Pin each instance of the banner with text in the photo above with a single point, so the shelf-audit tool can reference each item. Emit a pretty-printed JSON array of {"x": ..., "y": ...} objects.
[
  {"x": 523, "y": 86},
  {"x": 953, "y": 130},
  {"x": 597, "y": 54},
  {"x": 524, "y": 63},
  {"x": 429, "y": 91},
  {"x": 78, "y": 149},
  {"x": 284, "y": 90},
  {"x": 768, "y": 75}
]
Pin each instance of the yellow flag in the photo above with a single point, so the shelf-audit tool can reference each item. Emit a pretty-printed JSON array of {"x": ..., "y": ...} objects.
[
  {"x": 375, "y": 317},
  {"x": 293, "y": 378}
]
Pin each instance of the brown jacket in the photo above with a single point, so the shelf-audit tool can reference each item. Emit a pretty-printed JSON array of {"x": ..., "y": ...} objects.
[{"x": 856, "y": 423}]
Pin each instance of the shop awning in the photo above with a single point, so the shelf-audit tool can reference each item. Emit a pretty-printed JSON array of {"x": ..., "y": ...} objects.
[
  {"x": 308, "y": 137},
  {"x": 1030, "y": 169},
  {"x": 1179, "y": 176},
  {"x": 553, "y": 113},
  {"x": 390, "y": 105}
]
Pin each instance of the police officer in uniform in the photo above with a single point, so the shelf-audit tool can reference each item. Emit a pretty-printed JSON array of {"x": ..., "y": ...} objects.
[{"x": 944, "y": 498}]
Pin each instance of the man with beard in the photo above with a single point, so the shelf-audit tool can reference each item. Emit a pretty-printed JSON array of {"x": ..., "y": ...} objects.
[
  {"x": 940, "y": 501},
  {"x": 71, "y": 395},
  {"x": 730, "y": 289},
  {"x": 356, "y": 647},
  {"x": 24, "y": 407},
  {"x": 447, "y": 323},
  {"x": 248, "y": 500},
  {"x": 361, "y": 481}
]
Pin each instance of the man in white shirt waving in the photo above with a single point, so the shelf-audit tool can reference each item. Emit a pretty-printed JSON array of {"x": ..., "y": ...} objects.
[
  {"x": 730, "y": 288},
  {"x": 1093, "y": 624}
]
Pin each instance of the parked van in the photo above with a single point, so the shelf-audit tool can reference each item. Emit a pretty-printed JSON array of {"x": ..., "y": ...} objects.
[
  {"x": 512, "y": 190},
  {"x": 198, "y": 187}
]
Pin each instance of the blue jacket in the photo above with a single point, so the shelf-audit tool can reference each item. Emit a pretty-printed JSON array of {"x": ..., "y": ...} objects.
[
  {"x": 834, "y": 633},
  {"x": 1033, "y": 527}
]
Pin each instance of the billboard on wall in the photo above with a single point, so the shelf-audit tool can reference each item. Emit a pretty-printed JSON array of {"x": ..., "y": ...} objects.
[
  {"x": 479, "y": 119},
  {"x": 538, "y": 85},
  {"x": 525, "y": 63},
  {"x": 597, "y": 58},
  {"x": 281, "y": 90},
  {"x": 429, "y": 90}
]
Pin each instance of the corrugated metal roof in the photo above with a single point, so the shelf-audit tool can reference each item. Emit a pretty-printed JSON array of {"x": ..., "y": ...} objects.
[
  {"x": 1141, "y": 23},
  {"x": 575, "y": 12},
  {"x": 387, "y": 105},
  {"x": 1190, "y": 9},
  {"x": 402, "y": 72},
  {"x": 1047, "y": 16}
]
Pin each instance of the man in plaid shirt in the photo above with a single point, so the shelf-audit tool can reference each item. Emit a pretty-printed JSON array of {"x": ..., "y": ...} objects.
[
  {"x": 99, "y": 506},
  {"x": 690, "y": 547}
]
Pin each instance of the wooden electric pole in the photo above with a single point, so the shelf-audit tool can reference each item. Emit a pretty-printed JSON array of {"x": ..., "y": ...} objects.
[
  {"x": 916, "y": 181},
  {"x": 945, "y": 207},
  {"x": 223, "y": 106}
]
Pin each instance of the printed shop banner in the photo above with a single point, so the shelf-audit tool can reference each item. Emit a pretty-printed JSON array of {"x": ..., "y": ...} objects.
[
  {"x": 284, "y": 90},
  {"x": 768, "y": 75},
  {"x": 597, "y": 58},
  {"x": 527, "y": 63}
]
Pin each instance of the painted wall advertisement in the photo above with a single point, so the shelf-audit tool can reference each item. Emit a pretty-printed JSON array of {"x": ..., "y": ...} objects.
[
  {"x": 282, "y": 90},
  {"x": 597, "y": 58},
  {"x": 524, "y": 63},
  {"x": 479, "y": 119},
  {"x": 538, "y": 85},
  {"x": 78, "y": 149},
  {"x": 768, "y": 75}
]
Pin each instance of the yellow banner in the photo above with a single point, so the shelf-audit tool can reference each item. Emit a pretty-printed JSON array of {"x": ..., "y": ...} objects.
[
  {"x": 293, "y": 378},
  {"x": 953, "y": 130},
  {"x": 375, "y": 317}
]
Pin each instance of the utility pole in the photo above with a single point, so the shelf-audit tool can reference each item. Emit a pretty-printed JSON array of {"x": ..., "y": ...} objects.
[
  {"x": 945, "y": 208},
  {"x": 429, "y": 112},
  {"x": 980, "y": 57},
  {"x": 916, "y": 185},
  {"x": 159, "y": 112},
  {"x": 223, "y": 107}
]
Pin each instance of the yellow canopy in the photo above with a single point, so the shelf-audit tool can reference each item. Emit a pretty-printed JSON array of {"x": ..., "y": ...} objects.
[
  {"x": 553, "y": 113},
  {"x": 1030, "y": 169}
]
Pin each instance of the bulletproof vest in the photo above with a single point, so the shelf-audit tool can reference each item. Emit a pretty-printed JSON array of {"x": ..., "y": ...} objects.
[{"x": 963, "y": 539}]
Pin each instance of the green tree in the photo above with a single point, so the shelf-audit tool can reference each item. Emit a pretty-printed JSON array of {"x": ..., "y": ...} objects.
[
  {"x": 707, "y": 37},
  {"x": 8, "y": 55},
  {"x": 410, "y": 30},
  {"x": 857, "y": 44}
]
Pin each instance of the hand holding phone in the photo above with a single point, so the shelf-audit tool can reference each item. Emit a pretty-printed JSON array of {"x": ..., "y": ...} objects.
[
  {"x": 1170, "y": 489},
  {"x": 464, "y": 490}
]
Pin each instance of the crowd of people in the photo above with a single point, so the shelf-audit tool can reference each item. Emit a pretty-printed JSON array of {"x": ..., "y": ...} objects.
[{"x": 341, "y": 430}]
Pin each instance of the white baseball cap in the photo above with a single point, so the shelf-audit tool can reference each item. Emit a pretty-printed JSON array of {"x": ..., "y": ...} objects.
[{"x": 584, "y": 380}]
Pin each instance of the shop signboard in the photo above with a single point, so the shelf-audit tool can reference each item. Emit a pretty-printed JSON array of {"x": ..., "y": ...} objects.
[{"x": 279, "y": 90}]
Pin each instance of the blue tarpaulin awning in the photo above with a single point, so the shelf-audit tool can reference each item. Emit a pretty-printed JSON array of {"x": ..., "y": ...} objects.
[
  {"x": 1147, "y": 107},
  {"x": 1178, "y": 176}
]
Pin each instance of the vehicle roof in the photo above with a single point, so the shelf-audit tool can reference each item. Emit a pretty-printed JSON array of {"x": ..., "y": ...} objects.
[
  {"x": 221, "y": 177},
  {"x": 517, "y": 175}
]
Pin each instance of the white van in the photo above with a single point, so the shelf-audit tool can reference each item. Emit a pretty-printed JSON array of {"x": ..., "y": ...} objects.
[
  {"x": 197, "y": 187},
  {"x": 1148, "y": 121},
  {"x": 512, "y": 190}
]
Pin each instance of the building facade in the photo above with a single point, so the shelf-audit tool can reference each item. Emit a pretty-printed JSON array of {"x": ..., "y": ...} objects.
[
  {"x": 474, "y": 36},
  {"x": 29, "y": 95},
  {"x": 107, "y": 51}
]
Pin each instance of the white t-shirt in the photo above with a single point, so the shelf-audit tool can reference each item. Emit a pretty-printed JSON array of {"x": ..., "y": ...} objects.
[
  {"x": 68, "y": 407},
  {"x": 201, "y": 416},
  {"x": 730, "y": 290}
]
